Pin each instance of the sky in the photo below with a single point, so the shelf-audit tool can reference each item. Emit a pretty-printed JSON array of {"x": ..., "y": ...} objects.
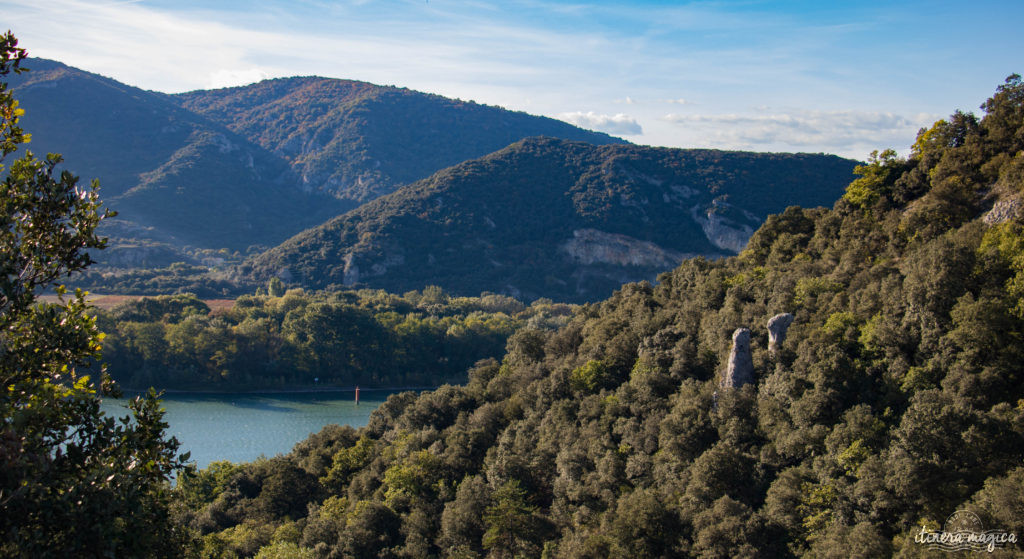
[{"x": 816, "y": 76}]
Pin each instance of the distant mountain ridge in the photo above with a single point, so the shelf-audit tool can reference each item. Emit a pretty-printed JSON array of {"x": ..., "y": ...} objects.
[
  {"x": 248, "y": 167},
  {"x": 358, "y": 141},
  {"x": 207, "y": 177},
  {"x": 554, "y": 218},
  {"x": 175, "y": 177}
]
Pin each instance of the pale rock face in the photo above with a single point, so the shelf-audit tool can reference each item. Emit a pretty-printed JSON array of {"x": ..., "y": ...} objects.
[
  {"x": 777, "y": 326},
  {"x": 351, "y": 274},
  {"x": 723, "y": 232},
  {"x": 740, "y": 370},
  {"x": 224, "y": 145},
  {"x": 358, "y": 267},
  {"x": 590, "y": 246},
  {"x": 1004, "y": 209}
]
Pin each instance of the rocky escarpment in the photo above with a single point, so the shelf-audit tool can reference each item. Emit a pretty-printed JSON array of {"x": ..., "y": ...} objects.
[
  {"x": 725, "y": 227},
  {"x": 590, "y": 246},
  {"x": 1005, "y": 208}
]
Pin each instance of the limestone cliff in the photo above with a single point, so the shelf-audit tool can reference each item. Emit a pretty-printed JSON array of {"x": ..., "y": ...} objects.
[
  {"x": 725, "y": 226},
  {"x": 590, "y": 246}
]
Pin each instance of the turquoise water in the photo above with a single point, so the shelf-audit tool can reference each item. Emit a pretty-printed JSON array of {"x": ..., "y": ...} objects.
[{"x": 242, "y": 427}]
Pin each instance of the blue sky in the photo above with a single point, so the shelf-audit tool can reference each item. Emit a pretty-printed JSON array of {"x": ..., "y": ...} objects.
[{"x": 841, "y": 78}]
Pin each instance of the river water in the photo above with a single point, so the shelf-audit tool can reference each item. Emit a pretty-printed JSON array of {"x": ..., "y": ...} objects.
[{"x": 242, "y": 427}]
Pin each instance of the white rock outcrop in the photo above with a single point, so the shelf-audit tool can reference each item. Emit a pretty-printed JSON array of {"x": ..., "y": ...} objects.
[
  {"x": 740, "y": 370},
  {"x": 1004, "y": 209},
  {"x": 777, "y": 326},
  {"x": 590, "y": 246},
  {"x": 722, "y": 231}
]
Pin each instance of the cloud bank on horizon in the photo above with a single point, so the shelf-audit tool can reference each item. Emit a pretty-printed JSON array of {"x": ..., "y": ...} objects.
[
  {"x": 758, "y": 75},
  {"x": 618, "y": 125}
]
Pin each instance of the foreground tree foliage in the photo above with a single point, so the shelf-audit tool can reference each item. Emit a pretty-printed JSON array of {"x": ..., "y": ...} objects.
[
  {"x": 895, "y": 400},
  {"x": 73, "y": 483}
]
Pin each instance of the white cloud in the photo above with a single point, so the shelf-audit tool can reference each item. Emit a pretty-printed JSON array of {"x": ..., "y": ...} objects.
[
  {"x": 679, "y": 102},
  {"x": 180, "y": 50},
  {"x": 612, "y": 124},
  {"x": 233, "y": 78},
  {"x": 807, "y": 130}
]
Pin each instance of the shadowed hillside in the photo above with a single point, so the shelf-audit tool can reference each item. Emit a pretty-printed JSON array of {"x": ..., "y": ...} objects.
[
  {"x": 554, "y": 218},
  {"x": 248, "y": 167},
  {"x": 175, "y": 177},
  {"x": 359, "y": 141}
]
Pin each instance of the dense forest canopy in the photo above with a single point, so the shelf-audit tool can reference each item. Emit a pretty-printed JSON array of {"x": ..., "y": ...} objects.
[
  {"x": 894, "y": 400},
  {"x": 287, "y": 339}
]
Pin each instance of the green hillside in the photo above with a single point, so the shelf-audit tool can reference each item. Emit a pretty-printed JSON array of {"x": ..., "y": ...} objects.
[
  {"x": 554, "y": 218},
  {"x": 359, "y": 141},
  {"x": 894, "y": 400}
]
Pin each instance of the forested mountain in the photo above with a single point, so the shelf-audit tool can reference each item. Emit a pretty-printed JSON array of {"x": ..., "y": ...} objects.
[
  {"x": 175, "y": 177},
  {"x": 555, "y": 218},
  {"x": 359, "y": 141},
  {"x": 248, "y": 167},
  {"x": 893, "y": 401}
]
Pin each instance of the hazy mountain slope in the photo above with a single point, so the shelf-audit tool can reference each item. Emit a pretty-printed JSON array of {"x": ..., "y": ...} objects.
[
  {"x": 174, "y": 176},
  {"x": 894, "y": 401},
  {"x": 553, "y": 218},
  {"x": 359, "y": 141},
  {"x": 261, "y": 163}
]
